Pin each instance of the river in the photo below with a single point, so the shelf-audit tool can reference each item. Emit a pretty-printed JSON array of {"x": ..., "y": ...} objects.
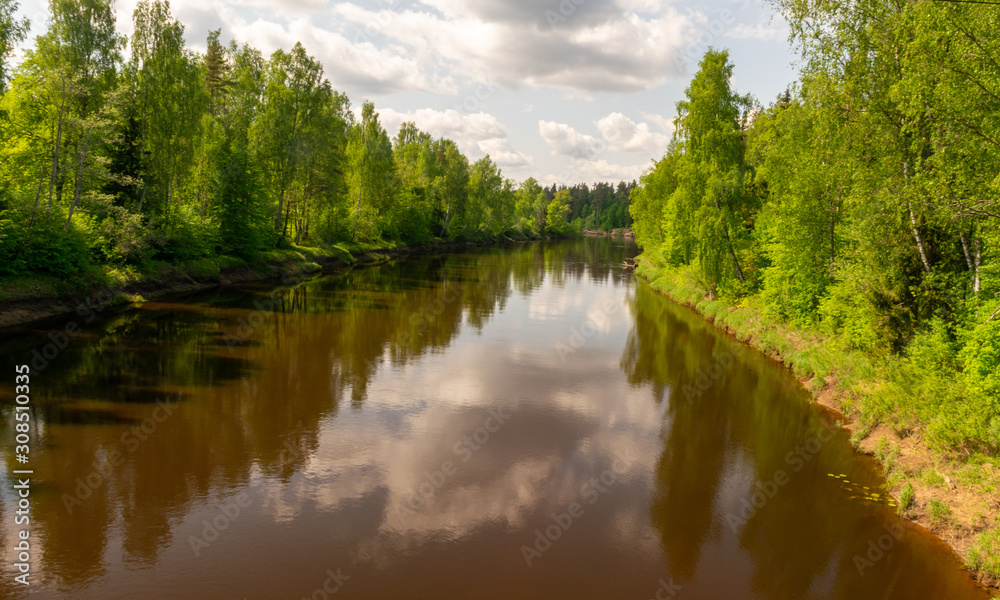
[{"x": 520, "y": 422}]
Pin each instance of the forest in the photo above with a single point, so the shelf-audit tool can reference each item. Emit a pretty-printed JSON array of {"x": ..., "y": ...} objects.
[
  {"x": 860, "y": 206},
  {"x": 120, "y": 153}
]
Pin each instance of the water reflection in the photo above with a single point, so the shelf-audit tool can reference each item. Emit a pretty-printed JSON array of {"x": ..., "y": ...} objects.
[{"x": 416, "y": 426}]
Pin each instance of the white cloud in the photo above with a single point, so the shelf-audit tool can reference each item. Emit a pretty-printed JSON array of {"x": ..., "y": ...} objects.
[
  {"x": 622, "y": 134},
  {"x": 642, "y": 6},
  {"x": 596, "y": 170},
  {"x": 355, "y": 67},
  {"x": 600, "y": 47},
  {"x": 477, "y": 134},
  {"x": 567, "y": 141},
  {"x": 664, "y": 124}
]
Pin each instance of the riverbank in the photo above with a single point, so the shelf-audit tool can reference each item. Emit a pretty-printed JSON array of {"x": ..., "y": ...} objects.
[
  {"x": 622, "y": 233},
  {"x": 950, "y": 493},
  {"x": 29, "y": 298}
]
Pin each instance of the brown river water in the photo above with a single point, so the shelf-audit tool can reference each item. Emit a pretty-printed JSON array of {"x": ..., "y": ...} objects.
[{"x": 507, "y": 423}]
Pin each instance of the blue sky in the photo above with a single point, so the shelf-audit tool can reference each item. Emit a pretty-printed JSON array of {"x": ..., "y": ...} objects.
[{"x": 562, "y": 90}]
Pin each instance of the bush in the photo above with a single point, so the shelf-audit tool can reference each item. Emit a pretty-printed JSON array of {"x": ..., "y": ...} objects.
[
  {"x": 845, "y": 311},
  {"x": 45, "y": 248},
  {"x": 120, "y": 237},
  {"x": 186, "y": 237},
  {"x": 984, "y": 556}
]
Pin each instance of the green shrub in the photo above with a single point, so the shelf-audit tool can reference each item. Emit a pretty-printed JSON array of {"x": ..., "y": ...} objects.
[
  {"x": 932, "y": 478},
  {"x": 186, "y": 237},
  {"x": 984, "y": 555},
  {"x": 120, "y": 237},
  {"x": 45, "y": 248},
  {"x": 939, "y": 510},
  {"x": 906, "y": 497}
]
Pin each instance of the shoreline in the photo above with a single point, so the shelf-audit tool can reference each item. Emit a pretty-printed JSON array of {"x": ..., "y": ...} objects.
[
  {"x": 614, "y": 233},
  {"x": 45, "y": 299},
  {"x": 904, "y": 459}
]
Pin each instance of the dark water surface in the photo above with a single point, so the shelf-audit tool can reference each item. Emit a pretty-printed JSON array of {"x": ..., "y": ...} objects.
[{"x": 428, "y": 428}]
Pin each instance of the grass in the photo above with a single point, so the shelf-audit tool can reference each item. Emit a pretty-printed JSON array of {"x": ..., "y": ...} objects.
[
  {"x": 932, "y": 478},
  {"x": 984, "y": 555},
  {"x": 887, "y": 454},
  {"x": 906, "y": 498},
  {"x": 939, "y": 510},
  {"x": 858, "y": 435}
]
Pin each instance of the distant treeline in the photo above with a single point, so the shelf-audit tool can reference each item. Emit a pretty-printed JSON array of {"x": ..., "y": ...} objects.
[
  {"x": 864, "y": 203},
  {"x": 122, "y": 151}
]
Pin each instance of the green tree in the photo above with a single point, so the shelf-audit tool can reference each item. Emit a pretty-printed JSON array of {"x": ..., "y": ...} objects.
[
  {"x": 524, "y": 207},
  {"x": 799, "y": 155},
  {"x": 557, "y": 213},
  {"x": 371, "y": 176},
  {"x": 12, "y": 32},
  {"x": 711, "y": 212},
  {"x": 451, "y": 186},
  {"x": 171, "y": 98},
  {"x": 295, "y": 92}
]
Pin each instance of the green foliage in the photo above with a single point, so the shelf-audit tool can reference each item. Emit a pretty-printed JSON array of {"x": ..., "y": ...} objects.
[
  {"x": 120, "y": 237},
  {"x": 239, "y": 205},
  {"x": 906, "y": 497},
  {"x": 932, "y": 478},
  {"x": 44, "y": 248},
  {"x": 984, "y": 555},
  {"x": 556, "y": 213},
  {"x": 939, "y": 510},
  {"x": 11, "y": 32},
  {"x": 186, "y": 239}
]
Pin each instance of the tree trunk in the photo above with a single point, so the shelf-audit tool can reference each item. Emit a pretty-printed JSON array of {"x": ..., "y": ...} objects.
[
  {"x": 447, "y": 220},
  {"x": 920, "y": 241},
  {"x": 38, "y": 197},
  {"x": 357, "y": 209},
  {"x": 965, "y": 251},
  {"x": 732, "y": 255},
  {"x": 976, "y": 284},
  {"x": 288, "y": 210},
  {"x": 913, "y": 224},
  {"x": 78, "y": 187},
  {"x": 55, "y": 155},
  {"x": 729, "y": 245},
  {"x": 166, "y": 205},
  {"x": 832, "y": 238},
  {"x": 281, "y": 206},
  {"x": 973, "y": 263}
]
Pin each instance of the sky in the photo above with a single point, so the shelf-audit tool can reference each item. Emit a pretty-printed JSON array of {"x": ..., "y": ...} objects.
[{"x": 566, "y": 91}]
